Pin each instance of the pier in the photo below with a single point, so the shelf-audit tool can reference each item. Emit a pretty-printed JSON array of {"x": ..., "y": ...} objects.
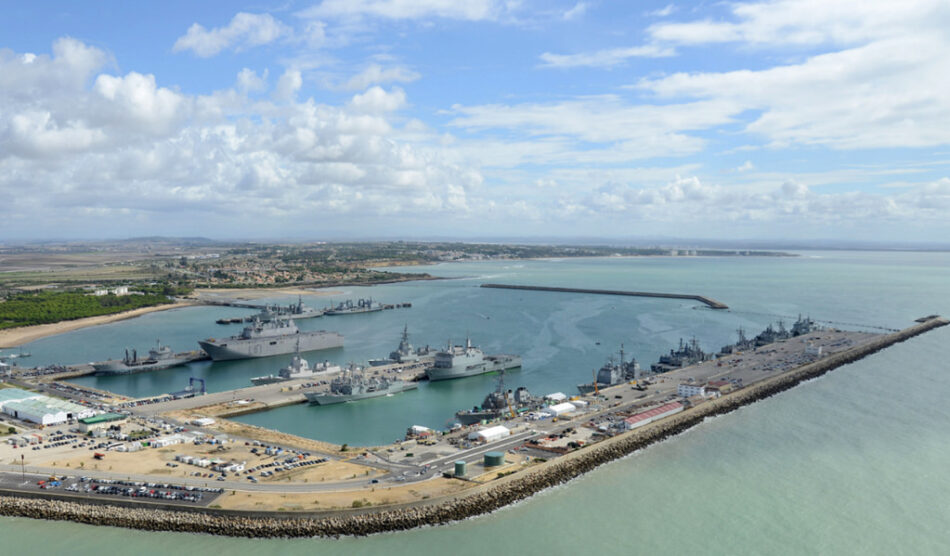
[{"x": 711, "y": 303}]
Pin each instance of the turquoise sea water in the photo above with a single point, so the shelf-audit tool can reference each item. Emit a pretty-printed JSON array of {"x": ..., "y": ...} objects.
[{"x": 854, "y": 462}]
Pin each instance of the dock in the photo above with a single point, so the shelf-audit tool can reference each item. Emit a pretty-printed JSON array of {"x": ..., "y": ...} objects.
[{"x": 711, "y": 303}]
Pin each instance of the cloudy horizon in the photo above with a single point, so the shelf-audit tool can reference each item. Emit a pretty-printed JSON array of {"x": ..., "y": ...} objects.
[{"x": 787, "y": 119}]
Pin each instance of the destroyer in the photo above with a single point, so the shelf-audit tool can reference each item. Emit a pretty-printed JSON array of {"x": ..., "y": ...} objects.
[
  {"x": 159, "y": 357},
  {"x": 298, "y": 368},
  {"x": 352, "y": 385},
  {"x": 266, "y": 338},
  {"x": 405, "y": 353},
  {"x": 612, "y": 374},
  {"x": 498, "y": 403},
  {"x": 468, "y": 360},
  {"x": 361, "y": 306}
]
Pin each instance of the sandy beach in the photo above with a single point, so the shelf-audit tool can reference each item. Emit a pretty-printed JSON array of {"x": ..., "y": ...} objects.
[{"x": 14, "y": 337}]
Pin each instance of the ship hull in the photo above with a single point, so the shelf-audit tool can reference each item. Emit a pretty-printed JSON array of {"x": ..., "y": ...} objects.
[
  {"x": 330, "y": 399},
  {"x": 230, "y": 349},
  {"x": 488, "y": 365},
  {"x": 476, "y": 417},
  {"x": 117, "y": 367}
]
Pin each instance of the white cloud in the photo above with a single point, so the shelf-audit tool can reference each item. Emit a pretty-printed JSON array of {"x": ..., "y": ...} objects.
[
  {"x": 249, "y": 82},
  {"x": 375, "y": 74},
  {"x": 604, "y": 58},
  {"x": 377, "y": 100},
  {"x": 811, "y": 22},
  {"x": 578, "y": 10},
  {"x": 287, "y": 85},
  {"x": 244, "y": 31},
  {"x": 471, "y": 10},
  {"x": 663, "y": 12},
  {"x": 746, "y": 166}
]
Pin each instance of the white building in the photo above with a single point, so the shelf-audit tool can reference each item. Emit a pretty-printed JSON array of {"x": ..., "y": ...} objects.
[
  {"x": 490, "y": 434},
  {"x": 556, "y": 397},
  {"x": 40, "y": 409},
  {"x": 685, "y": 390},
  {"x": 559, "y": 409}
]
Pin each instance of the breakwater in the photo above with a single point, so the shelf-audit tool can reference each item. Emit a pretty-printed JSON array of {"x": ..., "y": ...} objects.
[
  {"x": 477, "y": 501},
  {"x": 711, "y": 303}
]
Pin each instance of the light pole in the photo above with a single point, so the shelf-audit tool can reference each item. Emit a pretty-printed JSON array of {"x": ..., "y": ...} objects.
[{"x": 22, "y": 472}]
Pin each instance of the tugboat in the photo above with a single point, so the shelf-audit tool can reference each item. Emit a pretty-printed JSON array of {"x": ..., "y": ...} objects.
[{"x": 352, "y": 385}]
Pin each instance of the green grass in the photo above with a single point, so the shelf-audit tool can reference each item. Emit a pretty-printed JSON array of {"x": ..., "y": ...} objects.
[{"x": 46, "y": 307}]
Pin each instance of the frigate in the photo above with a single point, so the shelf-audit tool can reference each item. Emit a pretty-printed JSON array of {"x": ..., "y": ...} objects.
[{"x": 352, "y": 385}]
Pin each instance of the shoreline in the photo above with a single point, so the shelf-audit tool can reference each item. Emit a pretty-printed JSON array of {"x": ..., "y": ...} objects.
[
  {"x": 480, "y": 500},
  {"x": 14, "y": 337}
]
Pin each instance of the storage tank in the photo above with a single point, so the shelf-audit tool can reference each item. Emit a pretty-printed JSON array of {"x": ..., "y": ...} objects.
[
  {"x": 494, "y": 459},
  {"x": 460, "y": 469}
]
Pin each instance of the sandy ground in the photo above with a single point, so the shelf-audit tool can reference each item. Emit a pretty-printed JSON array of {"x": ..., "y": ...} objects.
[
  {"x": 379, "y": 496},
  {"x": 256, "y": 293},
  {"x": 259, "y": 433},
  {"x": 152, "y": 461},
  {"x": 17, "y": 336}
]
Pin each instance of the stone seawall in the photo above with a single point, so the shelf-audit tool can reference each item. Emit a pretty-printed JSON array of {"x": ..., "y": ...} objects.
[{"x": 480, "y": 500}]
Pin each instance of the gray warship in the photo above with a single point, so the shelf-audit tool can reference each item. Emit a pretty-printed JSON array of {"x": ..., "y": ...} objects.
[
  {"x": 348, "y": 307},
  {"x": 352, "y": 385},
  {"x": 295, "y": 311},
  {"x": 468, "y": 360},
  {"x": 612, "y": 374},
  {"x": 405, "y": 353},
  {"x": 298, "y": 368},
  {"x": 159, "y": 357},
  {"x": 687, "y": 354},
  {"x": 266, "y": 338},
  {"x": 744, "y": 344},
  {"x": 498, "y": 403}
]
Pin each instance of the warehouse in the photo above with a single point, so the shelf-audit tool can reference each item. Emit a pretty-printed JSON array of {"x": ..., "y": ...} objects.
[
  {"x": 40, "y": 409},
  {"x": 490, "y": 434},
  {"x": 654, "y": 414},
  {"x": 559, "y": 409},
  {"x": 98, "y": 422},
  {"x": 16, "y": 395}
]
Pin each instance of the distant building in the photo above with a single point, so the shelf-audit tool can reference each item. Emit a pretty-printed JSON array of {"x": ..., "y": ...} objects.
[
  {"x": 98, "y": 422},
  {"x": 655, "y": 414}
]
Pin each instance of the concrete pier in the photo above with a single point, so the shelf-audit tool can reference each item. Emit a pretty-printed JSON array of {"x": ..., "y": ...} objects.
[{"x": 712, "y": 303}]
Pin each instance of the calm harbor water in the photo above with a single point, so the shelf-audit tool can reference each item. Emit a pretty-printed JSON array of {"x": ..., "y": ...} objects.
[{"x": 851, "y": 463}]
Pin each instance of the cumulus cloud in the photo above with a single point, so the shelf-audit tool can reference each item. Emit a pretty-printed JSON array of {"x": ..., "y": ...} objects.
[
  {"x": 244, "y": 31},
  {"x": 125, "y": 149},
  {"x": 287, "y": 85},
  {"x": 578, "y": 10},
  {"x": 249, "y": 82}
]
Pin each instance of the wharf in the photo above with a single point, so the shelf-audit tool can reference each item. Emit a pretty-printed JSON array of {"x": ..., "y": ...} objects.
[
  {"x": 253, "y": 399},
  {"x": 712, "y": 303}
]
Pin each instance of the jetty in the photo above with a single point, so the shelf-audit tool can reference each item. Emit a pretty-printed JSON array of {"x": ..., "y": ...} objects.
[{"x": 710, "y": 302}]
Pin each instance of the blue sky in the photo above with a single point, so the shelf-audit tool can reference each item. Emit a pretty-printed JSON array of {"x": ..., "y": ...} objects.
[{"x": 785, "y": 119}]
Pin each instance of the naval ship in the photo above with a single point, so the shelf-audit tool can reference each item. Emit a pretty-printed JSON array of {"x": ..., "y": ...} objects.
[
  {"x": 744, "y": 344},
  {"x": 266, "y": 338},
  {"x": 405, "y": 353},
  {"x": 468, "y": 360},
  {"x": 298, "y": 368},
  {"x": 348, "y": 307},
  {"x": 498, "y": 403},
  {"x": 352, "y": 385},
  {"x": 295, "y": 311},
  {"x": 159, "y": 357},
  {"x": 612, "y": 374},
  {"x": 687, "y": 354}
]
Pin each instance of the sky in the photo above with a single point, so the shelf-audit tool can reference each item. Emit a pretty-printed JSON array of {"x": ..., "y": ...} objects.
[{"x": 779, "y": 119}]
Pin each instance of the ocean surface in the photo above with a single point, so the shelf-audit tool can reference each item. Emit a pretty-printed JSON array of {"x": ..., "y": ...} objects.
[{"x": 853, "y": 462}]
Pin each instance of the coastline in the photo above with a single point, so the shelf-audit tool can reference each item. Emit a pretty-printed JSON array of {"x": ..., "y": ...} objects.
[
  {"x": 13, "y": 337},
  {"x": 483, "y": 499}
]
